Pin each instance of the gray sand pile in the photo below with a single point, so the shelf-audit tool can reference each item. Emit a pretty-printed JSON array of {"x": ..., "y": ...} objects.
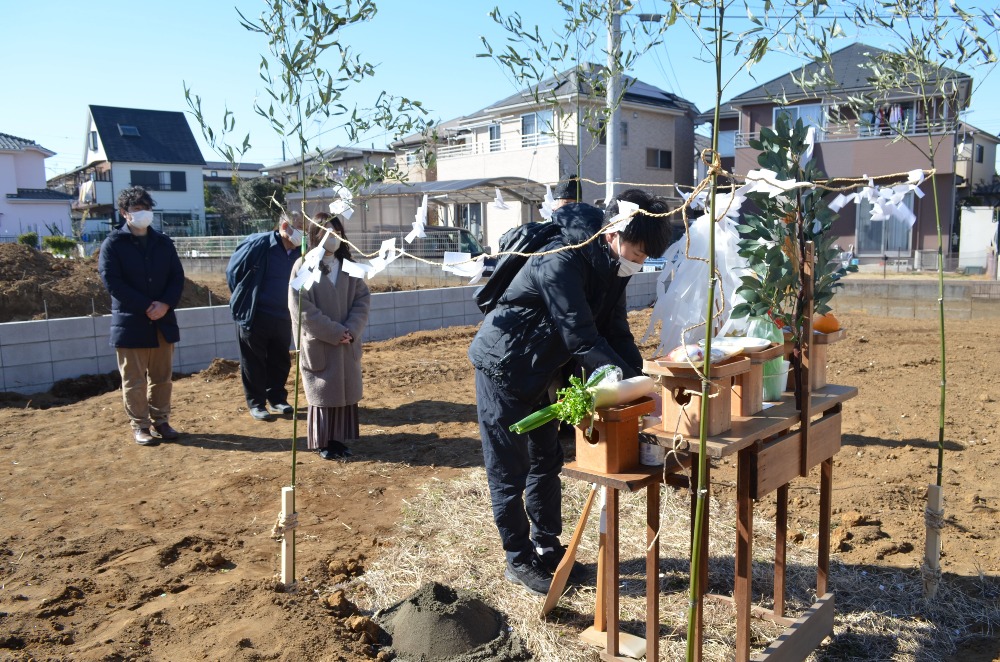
[{"x": 442, "y": 624}]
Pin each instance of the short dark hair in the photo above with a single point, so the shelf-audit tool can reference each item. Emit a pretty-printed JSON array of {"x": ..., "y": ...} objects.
[
  {"x": 317, "y": 231},
  {"x": 650, "y": 232},
  {"x": 134, "y": 196}
]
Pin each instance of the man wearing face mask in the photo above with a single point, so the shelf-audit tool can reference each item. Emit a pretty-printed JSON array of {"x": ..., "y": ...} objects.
[
  {"x": 257, "y": 276},
  {"x": 141, "y": 271},
  {"x": 561, "y": 308}
]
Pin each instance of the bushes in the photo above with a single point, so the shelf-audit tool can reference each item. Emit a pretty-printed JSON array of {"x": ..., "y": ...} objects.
[
  {"x": 58, "y": 245},
  {"x": 28, "y": 239}
]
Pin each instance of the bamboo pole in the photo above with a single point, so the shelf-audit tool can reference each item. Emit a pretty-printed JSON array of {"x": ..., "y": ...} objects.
[{"x": 694, "y": 593}]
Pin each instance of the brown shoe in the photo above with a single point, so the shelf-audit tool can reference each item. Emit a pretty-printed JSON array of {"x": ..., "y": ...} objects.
[
  {"x": 143, "y": 438},
  {"x": 164, "y": 431}
]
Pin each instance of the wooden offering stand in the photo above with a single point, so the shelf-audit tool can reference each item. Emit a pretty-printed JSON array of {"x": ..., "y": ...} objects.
[
  {"x": 819, "y": 346},
  {"x": 748, "y": 388},
  {"x": 610, "y": 458},
  {"x": 681, "y": 386}
]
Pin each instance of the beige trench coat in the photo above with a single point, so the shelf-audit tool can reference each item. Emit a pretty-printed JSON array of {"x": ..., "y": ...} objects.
[{"x": 331, "y": 372}]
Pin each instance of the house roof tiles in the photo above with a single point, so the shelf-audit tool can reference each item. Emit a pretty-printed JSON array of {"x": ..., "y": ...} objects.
[
  {"x": 39, "y": 194},
  {"x": 163, "y": 136},
  {"x": 848, "y": 66},
  {"x": 9, "y": 143}
]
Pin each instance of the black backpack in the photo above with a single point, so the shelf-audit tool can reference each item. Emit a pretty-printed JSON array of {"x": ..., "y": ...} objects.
[{"x": 528, "y": 238}]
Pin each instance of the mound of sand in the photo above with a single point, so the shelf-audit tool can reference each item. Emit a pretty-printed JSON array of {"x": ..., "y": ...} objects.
[{"x": 442, "y": 624}]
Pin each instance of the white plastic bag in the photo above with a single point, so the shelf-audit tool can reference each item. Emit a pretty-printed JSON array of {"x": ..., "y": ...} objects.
[{"x": 683, "y": 304}]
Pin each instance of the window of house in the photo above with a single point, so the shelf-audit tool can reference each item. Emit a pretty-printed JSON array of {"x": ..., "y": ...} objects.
[
  {"x": 128, "y": 130},
  {"x": 159, "y": 180},
  {"x": 536, "y": 128},
  {"x": 811, "y": 114},
  {"x": 659, "y": 158},
  {"x": 891, "y": 237},
  {"x": 471, "y": 217},
  {"x": 93, "y": 141},
  {"x": 727, "y": 143},
  {"x": 622, "y": 134},
  {"x": 215, "y": 173},
  {"x": 495, "y": 138},
  {"x": 979, "y": 153}
]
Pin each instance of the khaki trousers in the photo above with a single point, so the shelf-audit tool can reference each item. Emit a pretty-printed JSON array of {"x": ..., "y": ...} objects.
[{"x": 146, "y": 382}]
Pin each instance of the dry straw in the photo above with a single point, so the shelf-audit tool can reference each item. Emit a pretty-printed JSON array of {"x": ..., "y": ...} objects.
[{"x": 447, "y": 535}]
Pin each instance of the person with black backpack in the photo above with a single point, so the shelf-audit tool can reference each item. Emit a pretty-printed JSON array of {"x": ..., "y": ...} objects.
[{"x": 547, "y": 316}]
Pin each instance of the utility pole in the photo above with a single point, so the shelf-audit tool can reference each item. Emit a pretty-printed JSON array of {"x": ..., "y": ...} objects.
[{"x": 612, "y": 127}]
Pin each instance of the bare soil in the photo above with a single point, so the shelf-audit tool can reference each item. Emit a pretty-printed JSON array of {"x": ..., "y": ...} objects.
[{"x": 112, "y": 551}]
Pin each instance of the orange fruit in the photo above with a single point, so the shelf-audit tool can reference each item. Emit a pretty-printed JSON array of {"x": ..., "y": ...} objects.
[{"x": 825, "y": 323}]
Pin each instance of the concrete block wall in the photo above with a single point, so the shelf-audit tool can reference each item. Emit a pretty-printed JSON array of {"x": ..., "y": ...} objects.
[{"x": 34, "y": 355}]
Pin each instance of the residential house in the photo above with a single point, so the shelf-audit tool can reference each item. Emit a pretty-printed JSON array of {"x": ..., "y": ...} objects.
[
  {"x": 552, "y": 131},
  {"x": 853, "y": 146},
  {"x": 222, "y": 175},
  {"x": 127, "y": 147},
  {"x": 26, "y": 205},
  {"x": 327, "y": 165}
]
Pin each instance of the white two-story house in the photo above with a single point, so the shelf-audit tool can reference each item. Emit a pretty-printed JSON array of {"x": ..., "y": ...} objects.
[
  {"x": 26, "y": 205},
  {"x": 126, "y": 147},
  {"x": 548, "y": 133}
]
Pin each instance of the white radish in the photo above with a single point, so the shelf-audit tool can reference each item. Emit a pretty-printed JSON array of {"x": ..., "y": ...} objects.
[{"x": 627, "y": 390}]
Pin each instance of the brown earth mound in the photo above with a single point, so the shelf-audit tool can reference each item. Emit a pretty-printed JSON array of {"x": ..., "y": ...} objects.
[{"x": 34, "y": 284}]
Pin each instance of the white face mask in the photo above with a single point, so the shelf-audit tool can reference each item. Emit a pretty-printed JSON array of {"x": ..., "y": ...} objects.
[
  {"x": 140, "y": 219},
  {"x": 628, "y": 268},
  {"x": 331, "y": 243},
  {"x": 294, "y": 236}
]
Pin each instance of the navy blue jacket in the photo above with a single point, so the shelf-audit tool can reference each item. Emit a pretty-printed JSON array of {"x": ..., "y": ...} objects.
[
  {"x": 246, "y": 271},
  {"x": 135, "y": 279},
  {"x": 548, "y": 315}
]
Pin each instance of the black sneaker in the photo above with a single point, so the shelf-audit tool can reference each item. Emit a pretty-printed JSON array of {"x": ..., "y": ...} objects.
[
  {"x": 531, "y": 576},
  {"x": 549, "y": 558}
]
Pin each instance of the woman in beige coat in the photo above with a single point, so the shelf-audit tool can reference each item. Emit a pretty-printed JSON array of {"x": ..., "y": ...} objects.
[{"x": 334, "y": 314}]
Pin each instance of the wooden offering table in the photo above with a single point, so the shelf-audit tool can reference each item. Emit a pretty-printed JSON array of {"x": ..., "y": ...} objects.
[{"x": 771, "y": 451}]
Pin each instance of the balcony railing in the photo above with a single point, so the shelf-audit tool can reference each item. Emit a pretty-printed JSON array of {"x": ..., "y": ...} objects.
[
  {"x": 837, "y": 131},
  {"x": 511, "y": 144}
]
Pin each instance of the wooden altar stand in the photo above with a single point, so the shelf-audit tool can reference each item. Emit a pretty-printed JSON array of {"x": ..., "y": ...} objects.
[{"x": 770, "y": 451}]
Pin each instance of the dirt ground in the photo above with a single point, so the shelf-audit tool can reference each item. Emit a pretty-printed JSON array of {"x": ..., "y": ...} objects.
[{"x": 112, "y": 551}]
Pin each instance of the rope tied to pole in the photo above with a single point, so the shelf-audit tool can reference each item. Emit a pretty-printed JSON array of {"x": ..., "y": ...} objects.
[
  {"x": 284, "y": 524},
  {"x": 933, "y": 519}
]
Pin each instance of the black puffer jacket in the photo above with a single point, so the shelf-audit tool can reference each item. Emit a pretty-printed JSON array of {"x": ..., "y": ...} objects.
[{"x": 547, "y": 316}]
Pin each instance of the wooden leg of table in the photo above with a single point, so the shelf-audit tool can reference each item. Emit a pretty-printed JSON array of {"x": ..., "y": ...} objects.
[
  {"x": 611, "y": 573},
  {"x": 744, "y": 555},
  {"x": 600, "y": 611},
  {"x": 780, "y": 548},
  {"x": 652, "y": 573},
  {"x": 825, "y": 504}
]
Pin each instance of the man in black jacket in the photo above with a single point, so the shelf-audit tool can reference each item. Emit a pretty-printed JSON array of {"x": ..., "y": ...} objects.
[
  {"x": 548, "y": 317},
  {"x": 141, "y": 270},
  {"x": 257, "y": 276}
]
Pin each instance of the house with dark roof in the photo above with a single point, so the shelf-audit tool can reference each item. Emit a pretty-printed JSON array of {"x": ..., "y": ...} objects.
[
  {"x": 553, "y": 130},
  {"x": 127, "y": 147},
  {"x": 222, "y": 174},
  {"x": 327, "y": 165},
  {"x": 26, "y": 204},
  {"x": 879, "y": 140}
]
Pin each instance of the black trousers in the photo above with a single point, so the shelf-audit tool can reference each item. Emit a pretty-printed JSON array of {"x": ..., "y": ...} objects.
[
  {"x": 522, "y": 471},
  {"x": 264, "y": 359}
]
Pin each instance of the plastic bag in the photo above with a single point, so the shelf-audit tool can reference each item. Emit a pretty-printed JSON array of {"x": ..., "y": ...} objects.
[{"x": 682, "y": 303}]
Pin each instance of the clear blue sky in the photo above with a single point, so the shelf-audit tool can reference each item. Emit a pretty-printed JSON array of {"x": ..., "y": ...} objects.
[{"x": 60, "y": 56}]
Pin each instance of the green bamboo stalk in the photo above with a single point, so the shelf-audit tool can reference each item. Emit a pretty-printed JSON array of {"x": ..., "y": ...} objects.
[{"x": 701, "y": 497}]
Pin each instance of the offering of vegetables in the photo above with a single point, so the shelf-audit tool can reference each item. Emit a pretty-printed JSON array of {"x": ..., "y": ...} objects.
[{"x": 579, "y": 400}]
